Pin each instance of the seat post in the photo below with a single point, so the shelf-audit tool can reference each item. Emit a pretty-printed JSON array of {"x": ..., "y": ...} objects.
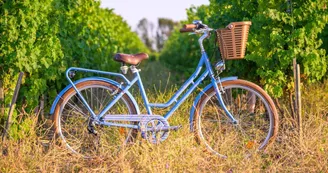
[
  {"x": 135, "y": 71},
  {"x": 124, "y": 68}
]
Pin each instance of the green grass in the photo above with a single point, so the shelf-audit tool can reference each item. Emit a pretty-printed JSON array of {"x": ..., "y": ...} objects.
[{"x": 180, "y": 152}]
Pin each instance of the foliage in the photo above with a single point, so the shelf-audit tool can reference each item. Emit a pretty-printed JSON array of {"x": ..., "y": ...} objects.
[
  {"x": 43, "y": 38},
  {"x": 29, "y": 43},
  {"x": 324, "y": 38},
  {"x": 145, "y": 30},
  {"x": 275, "y": 38},
  {"x": 164, "y": 30}
]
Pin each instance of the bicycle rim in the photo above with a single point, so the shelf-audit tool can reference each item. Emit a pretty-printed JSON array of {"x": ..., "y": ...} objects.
[
  {"x": 72, "y": 120},
  {"x": 252, "y": 110}
]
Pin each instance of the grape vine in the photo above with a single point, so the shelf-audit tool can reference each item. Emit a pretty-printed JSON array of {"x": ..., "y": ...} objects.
[
  {"x": 44, "y": 38},
  {"x": 275, "y": 38}
]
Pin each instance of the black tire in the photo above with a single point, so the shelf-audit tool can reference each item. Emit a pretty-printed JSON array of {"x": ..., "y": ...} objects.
[
  {"x": 71, "y": 120},
  {"x": 258, "y": 114}
]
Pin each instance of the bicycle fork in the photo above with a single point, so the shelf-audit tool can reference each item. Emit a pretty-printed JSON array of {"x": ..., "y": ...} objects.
[
  {"x": 219, "y": 92},
  {"x": 221, "y": 102}
]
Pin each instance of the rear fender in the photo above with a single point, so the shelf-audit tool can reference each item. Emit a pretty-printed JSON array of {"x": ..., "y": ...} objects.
[{"x": 52, "y": 110}]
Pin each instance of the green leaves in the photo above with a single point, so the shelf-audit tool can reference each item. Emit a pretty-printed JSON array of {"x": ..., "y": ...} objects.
[
  {"x": 44, "y": 38},
  {"x": 275, "y": 38}
]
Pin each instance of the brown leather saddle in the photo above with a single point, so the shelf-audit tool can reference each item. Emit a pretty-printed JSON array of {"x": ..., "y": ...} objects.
[{"x": 130, "y": 58}]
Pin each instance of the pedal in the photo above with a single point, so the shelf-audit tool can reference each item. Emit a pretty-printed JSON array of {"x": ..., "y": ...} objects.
[{"x": 175, "y": 128}]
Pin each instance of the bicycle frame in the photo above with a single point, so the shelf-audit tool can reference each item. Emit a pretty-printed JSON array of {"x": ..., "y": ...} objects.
[{"x": 190, "y": 83}]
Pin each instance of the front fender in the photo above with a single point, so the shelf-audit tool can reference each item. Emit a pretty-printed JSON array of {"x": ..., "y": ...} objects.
[
  {"x": 52, "y": 110},
  {"x": 193, "y": 108}
]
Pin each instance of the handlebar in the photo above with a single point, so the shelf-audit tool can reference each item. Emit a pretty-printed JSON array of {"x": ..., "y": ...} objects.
[
  {"x": 187, "y": 30},
  {"x": 190, "y": 26},
  {"x": 197, "y": 28}
]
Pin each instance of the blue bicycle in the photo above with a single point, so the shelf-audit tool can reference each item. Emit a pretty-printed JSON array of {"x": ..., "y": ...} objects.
[{"x": 97, "y": 114}]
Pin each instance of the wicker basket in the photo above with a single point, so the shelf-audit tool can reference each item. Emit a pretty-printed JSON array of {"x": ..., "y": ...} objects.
[{"x": 232, "y": 40}]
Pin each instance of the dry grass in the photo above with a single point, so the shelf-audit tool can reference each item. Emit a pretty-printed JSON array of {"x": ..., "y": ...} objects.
[{"x": 180, "y": 152}]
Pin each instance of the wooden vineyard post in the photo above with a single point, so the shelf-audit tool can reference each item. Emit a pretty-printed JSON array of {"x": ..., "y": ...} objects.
[
  {"x": 12, "y": 106},
  {"x": 298, "y": 104},
  {"x": 2, "y": 99},
  {"x": 42, "y": 106},
  {"x": 293, "y": 100}
]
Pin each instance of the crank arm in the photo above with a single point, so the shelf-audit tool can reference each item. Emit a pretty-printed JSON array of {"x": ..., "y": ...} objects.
[{"x": 165, "y": 129}]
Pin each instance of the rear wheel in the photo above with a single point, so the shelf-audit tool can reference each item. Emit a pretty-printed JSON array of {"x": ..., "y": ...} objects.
[
  {"x": 254, "y": 109},
  {"x": 74, "y": 125}
]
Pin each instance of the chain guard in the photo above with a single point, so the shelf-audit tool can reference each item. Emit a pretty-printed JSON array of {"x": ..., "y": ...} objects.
[{"x": 154, "y": 128}]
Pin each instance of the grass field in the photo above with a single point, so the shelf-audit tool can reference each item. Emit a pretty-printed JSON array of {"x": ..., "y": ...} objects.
[{"x": 180, "y": 152}]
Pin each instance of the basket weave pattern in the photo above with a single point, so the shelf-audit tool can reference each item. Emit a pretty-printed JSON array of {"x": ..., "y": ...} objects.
[{"x": 232, "y": 40}]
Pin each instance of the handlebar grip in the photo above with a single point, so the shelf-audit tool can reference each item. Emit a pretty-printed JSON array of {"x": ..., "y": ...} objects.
[
  {"x": 189, "y": 26},
  {"x": 186, "y": 30}
]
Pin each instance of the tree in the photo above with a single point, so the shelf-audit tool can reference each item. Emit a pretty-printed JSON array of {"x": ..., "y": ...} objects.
[
  {"x": 44, "y": 38},
  {"x": 275, "y": 38},
  {"x": 164, "y": 30},
  {"x": 145, "y": 31}
]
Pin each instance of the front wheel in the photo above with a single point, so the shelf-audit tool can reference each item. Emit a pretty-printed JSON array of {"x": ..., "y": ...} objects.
[{"x": 252, "y": 107}]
